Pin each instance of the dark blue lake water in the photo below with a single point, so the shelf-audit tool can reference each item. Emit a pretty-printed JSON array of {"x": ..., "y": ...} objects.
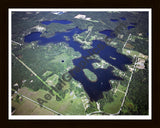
[
  {"x": 56, "y": 21},
  {"x": 130, "y": 27},
  {"x": 122, "y": 18},
  {"x": 93, "y": 89},
  {"x": 114, "y": 20},
  {"x": 133, "y": 23},
  {"x": 108, "y": 33}
]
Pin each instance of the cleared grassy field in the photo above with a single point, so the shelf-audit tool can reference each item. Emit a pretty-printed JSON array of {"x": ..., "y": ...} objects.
[
  {"x": 114, "y": 106},
  {"x": 26, "y": 107},
  {"x": 122, "y": 88},
  {"x": 130, "y": 52},
  {"x": 70, "y": 105}
]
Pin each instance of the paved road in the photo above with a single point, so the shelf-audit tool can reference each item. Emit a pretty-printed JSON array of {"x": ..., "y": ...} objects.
[
  {"x": 88, "y": 34},
  {"x": 16, "y": 42},
  {"x": 127, "y": 88},
  {"x": 126, "y": 41}
]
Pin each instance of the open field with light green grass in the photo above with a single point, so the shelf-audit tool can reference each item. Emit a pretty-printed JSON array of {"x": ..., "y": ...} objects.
[
  {"x": 47, "y": 73},
  {"x": 60, "y": 57},
  {"x": 57, "y": 61},
  {"x": 113, "y": 107},
  {"x": 27, "y": 107},
  {"x": 52, "y": 80},
  {"x": 70, "y": 105},
  {"x": 122, "y": 88},
  {"x": 134, "y": 53},
  {"x": 130, "y": 52}
]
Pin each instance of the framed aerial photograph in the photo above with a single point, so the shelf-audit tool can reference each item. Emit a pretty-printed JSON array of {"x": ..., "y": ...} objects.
[{"x": 80, "y": 64}]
